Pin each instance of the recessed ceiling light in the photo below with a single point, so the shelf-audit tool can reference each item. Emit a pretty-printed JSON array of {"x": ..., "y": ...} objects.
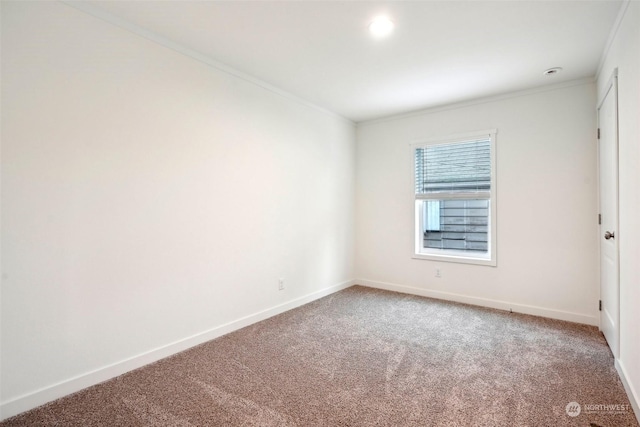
[
  {"x": 381, "y": 26},
  {"x": 551, "y": 71}
]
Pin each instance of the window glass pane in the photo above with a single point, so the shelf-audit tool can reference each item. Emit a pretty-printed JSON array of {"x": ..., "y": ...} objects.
[
  {"x": 462, "y": 225},
  {"x": 454, "y": 167},
  {"x": 432, "y": 215}
]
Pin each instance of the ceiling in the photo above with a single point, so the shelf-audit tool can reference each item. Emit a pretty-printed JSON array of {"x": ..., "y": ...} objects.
[{"x": 440, "y": 52}]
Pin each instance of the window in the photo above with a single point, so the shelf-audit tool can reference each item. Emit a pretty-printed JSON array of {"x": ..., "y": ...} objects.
[{"x": 455, "y": 198}]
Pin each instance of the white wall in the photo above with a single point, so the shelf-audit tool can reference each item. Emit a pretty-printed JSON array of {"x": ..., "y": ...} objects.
[
  {"x": 624, "y": 54},
  {"x": 546, "y": 214},
  {"x": 148, "y": 198}
]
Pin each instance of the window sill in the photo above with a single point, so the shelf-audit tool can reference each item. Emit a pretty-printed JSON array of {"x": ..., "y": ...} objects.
[{"x": 461, "y": 258}]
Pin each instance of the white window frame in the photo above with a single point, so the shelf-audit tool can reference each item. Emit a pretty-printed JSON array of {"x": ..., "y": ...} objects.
[{"x": 451, "y": 255}]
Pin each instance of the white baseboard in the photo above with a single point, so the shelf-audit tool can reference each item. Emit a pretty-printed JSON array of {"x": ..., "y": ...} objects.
[
  {"x": 483, "y": 302},
  {"x": 47, "y": 394},
  {"x": 634, "y": 398}
]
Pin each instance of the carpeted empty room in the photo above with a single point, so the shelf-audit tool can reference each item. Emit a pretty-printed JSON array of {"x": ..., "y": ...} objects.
[
  {"x": 366, "y": 357},
  {"x": 319, "y": 213}
]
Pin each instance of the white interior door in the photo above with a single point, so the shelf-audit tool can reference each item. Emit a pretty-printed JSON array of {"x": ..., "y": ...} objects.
[{"x": 608, "y": 176}]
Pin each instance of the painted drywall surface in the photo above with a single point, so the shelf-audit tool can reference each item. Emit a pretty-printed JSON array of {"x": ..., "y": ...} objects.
[
  {"x": 148, "y": 197},
  {"x": 546, "y": 195},
  {"x": 624, "y": 54}
]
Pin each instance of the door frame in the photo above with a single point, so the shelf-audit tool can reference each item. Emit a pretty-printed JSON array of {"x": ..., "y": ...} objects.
[{"x": 610, "y": 88}]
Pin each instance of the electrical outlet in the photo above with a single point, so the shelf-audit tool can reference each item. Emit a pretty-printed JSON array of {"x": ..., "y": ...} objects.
[
  {"x": 281, "y": 284},
  {"x": 438, "y": 272}
]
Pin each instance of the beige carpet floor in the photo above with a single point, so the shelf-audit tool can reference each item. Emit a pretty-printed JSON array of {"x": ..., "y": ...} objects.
[{"x": 365, "y": 357}]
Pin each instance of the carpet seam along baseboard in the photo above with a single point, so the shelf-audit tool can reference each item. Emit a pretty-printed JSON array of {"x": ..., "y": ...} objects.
[
  {"x": 633, "y": 396},
  {"x": 483, "y": 302},
  {"x": 47, "y": 394}
]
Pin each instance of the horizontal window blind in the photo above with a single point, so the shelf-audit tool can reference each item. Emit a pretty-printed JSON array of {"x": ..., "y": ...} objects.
[{"x": 460, "y": 167}]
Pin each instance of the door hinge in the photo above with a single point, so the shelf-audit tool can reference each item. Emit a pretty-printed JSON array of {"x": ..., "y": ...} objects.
[
  {"x": 599, "y": 218},
  {"x": 600, "y": 305},
  {"x": 598, "y": 133}
]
